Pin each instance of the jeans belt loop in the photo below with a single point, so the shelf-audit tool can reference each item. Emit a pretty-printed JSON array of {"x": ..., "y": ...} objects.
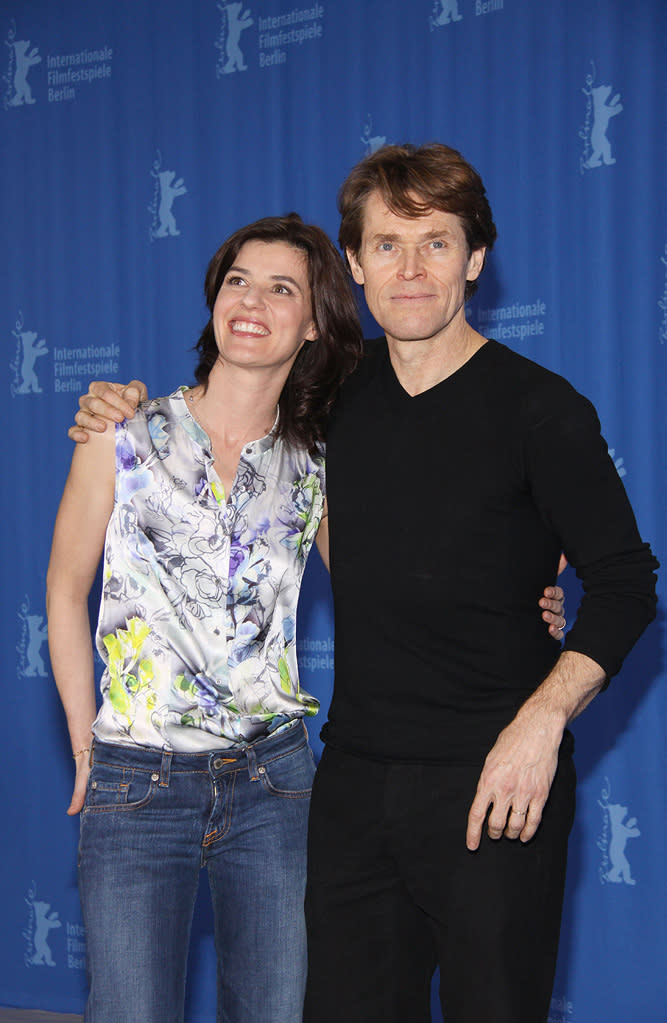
[
  {"x": 165, "y": 768},
  {"x": 252, "y": 763}
]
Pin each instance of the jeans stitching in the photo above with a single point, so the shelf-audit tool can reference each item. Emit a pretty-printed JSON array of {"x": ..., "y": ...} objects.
[
  {"x": 213, "y": 836},
  {"x": 120, "y": 807}
]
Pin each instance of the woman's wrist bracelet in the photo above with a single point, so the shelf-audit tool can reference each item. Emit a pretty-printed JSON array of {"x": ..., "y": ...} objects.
[{"x": 86, "y": 749}]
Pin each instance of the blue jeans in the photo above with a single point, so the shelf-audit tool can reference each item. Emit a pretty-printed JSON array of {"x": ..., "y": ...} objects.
[{"x": 151, "y": 820}]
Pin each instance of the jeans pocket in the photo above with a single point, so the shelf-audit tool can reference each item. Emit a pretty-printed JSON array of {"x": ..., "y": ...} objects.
[
  {"x": 118, "y": 788},
  {"x": 289, "y": 775}
]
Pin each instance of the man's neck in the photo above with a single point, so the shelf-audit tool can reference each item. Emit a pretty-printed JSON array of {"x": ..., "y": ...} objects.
[{"x": 420, "y": 365}]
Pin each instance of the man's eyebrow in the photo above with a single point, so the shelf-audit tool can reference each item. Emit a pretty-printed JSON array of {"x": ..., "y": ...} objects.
[{"x": 391, "y": 236}]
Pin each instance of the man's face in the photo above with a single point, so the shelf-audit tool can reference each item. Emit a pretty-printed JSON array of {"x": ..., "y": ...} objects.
[{"x": 414, "y": 271}]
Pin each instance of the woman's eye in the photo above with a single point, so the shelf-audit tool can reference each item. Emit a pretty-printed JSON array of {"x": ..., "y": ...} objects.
[
  {"x": 235, "y": 280},
  {"x": 282, "y": 289}
]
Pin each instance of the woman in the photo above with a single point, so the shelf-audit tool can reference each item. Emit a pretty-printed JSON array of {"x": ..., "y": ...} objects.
[
  {"x": 199, "y": 756},
  {"x": 206, "y": 505}
]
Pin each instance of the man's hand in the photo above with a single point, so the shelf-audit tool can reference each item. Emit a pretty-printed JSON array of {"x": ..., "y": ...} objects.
[
  {"x": 553, "y": 610},
  {"x": 518, "y": 772},
  {"x": 516, "y": 779},
  {"x": 553, "y": 605},
  {"x": 106, "y": 402}
]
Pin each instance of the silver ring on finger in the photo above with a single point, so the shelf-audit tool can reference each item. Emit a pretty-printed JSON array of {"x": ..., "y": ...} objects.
[{"x": 520, "y": 813}]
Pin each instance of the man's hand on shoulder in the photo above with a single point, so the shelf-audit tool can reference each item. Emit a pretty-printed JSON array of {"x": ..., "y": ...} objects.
[{"x": 106, "y": 402}]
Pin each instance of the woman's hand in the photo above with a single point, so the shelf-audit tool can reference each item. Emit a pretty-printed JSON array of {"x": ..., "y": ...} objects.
[{"x": 82, "y": 760}]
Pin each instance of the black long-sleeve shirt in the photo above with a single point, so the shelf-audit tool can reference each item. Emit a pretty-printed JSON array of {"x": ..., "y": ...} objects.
[{"x": 448, "y": 512}]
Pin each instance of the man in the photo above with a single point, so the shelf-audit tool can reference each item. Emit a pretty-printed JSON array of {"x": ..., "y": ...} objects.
[{"x": 455, "y": 470}]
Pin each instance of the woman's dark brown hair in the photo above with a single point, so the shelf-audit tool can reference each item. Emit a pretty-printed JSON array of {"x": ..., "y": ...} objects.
[{"x": 322, "y": 364}]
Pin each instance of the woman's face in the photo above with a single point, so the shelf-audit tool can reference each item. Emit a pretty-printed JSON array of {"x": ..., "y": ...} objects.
[{"x": 262, "y": 315}]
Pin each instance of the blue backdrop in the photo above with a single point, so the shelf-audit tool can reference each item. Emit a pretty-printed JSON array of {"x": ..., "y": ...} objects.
[{"x": 136, "y": 134}]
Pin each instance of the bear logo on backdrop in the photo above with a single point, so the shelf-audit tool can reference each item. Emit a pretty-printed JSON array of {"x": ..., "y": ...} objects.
[
  {"x": 617, "y": 829},
  {"x": 599, "y": 111},
  {"x": 41, "y": 921},
  {"x": 29, "y": 348},
  {"x": 21, "y": 58},
  {"x": 618, "y": 462},
  {"x": 33, "y": 634},
  {"x": 444, "y": 12},
  {"x": 165, "y": 191},
  {"x": 277, "y": 35},
  {"x": 561, "y": 1010},
  {"x": 235, "y": 18},
  {"x": 371, "y": 142}
]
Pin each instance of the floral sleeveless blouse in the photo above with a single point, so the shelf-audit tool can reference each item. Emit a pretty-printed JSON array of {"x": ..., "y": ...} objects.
[{"x": 197, "y": 624}]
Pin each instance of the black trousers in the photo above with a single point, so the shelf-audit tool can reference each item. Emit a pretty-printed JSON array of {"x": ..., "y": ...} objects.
[{"x": 393, "y": 891}]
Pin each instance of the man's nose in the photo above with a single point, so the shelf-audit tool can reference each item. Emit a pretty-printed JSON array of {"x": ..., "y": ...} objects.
[{"x": 411, "y": 263}]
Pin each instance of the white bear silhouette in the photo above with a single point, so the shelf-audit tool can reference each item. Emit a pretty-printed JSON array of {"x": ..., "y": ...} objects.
[
  {"x": 620, "y": 833},
  {"x": 602, "y": 114},
  {"x": 235, "y": 26},
  {"x": 31, "y": 352},
  {"x": 24, "y": 61},
  {"x": 44, "y": 922},
  {"x": 449, "y": 11},
  {"x": 168, "y": 192}
]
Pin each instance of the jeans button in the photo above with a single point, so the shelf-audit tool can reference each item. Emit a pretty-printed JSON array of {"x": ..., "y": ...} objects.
[
  {"x": 155, "y": 777},
  {"x": 217, "y": 763}
]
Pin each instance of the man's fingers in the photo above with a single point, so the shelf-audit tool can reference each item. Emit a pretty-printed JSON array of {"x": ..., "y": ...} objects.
[
  {"x": 112, "y": 401},
  {"x": 138, "y": 387},
  {"x": 476, "y": 819},
  {"x": 77, "y": 434},
  {"x": 532, "y": 824},
  {"x": 553, "y": 611},
  {"x": 88, "y": 421},
  {"x": 553, "y": 599},
  {"x": 516, "y": 822}
]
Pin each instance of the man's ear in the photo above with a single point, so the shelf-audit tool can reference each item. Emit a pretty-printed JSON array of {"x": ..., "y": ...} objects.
[
  {"x": 475, "y": 263},
  {"x": 355, "y": 267}
]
